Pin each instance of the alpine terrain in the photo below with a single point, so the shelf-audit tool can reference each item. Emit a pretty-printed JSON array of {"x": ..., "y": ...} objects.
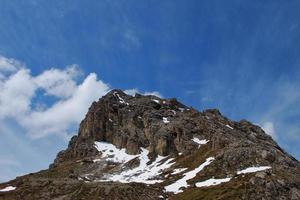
[{"x": 145, "y": 147}]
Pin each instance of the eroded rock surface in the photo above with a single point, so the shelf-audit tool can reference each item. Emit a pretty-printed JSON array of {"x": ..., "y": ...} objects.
[{"x": 162, "y": 142}]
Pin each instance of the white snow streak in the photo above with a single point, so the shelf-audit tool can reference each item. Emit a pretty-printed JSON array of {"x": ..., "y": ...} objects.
[
  {"x": 8, "y": 188},
  {"x": 141, "y": 174},
  {"x": 212, "y": 181},
  {"x": 174, "y": 112},
  {"x": 165, "y": 120},
  {"x": 178, "y": 171},
  {"x": 228, "y": 126},
  {"x": 199, "y": 142},
  {"x": 121, "y": 100},
  {"x": 181, "y": 109},
  {"x": 111, "y": 153},
  {"x": 155, "y": 100},
  {"x": 144, "y": 173},
  {"x": 253, "y": 169},
  {"x": 175, "y": 187}
]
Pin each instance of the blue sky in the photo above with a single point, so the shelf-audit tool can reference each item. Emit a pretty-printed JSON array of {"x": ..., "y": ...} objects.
[{"x": 56, "y": 57}]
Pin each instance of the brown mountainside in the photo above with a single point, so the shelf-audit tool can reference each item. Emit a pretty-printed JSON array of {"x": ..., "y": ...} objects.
[{"x": 145, "y": 147}]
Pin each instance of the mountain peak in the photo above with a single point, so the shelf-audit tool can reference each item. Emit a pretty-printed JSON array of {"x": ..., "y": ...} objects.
[{"x": 131, "y": 142}]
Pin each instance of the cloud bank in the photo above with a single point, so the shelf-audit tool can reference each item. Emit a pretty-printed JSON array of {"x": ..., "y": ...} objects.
[
  {"x": 19, "y": 88},
  {"x": 20, "y": 91}
]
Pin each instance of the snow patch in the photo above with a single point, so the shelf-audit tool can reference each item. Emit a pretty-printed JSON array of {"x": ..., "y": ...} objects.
[
  {"x": 165, "y": 120},
  {"x": 8, "y": 188},
  {"x": 121, "y": 100},
  {"x": 178, "y": 171},
  {"x": 143, "y": 173},
  {"x": 212, "y": 181},
  {"x": 155, "y": 100},
  {"x": 174, "y": 112},
  {"x": 199, "y": 142},
  {"x": 253, "y": 169},
  {"x": 111, "y": 153},
  {"x": 182, "y": 183},
  {"x": 228, "y": 126},
  {"x": 181, "y": 109}
]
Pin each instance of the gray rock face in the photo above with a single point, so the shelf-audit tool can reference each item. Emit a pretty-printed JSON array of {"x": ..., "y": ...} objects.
[
  {"x": 133, "y": 122},
  {"x": 166, "y": 127}
]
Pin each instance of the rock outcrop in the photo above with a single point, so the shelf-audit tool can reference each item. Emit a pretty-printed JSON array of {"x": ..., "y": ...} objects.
[{"x": 144, "y": 147}]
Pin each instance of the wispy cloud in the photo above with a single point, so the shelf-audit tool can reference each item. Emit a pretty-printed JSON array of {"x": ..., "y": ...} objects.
[
  {"x": 132, "y": 92},
  {"x": 281, "y": 116},
  {"x": 268, "y": 127},
  {"x": 130, "y": 40},
  {"x": 272, "y": 103}
]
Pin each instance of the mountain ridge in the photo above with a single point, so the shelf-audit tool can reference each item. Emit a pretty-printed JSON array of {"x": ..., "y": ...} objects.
[{"x": 168, "y": 150}]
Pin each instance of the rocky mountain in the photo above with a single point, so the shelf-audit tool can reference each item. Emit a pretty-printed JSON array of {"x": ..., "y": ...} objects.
[{"x": 145, "y": 147}]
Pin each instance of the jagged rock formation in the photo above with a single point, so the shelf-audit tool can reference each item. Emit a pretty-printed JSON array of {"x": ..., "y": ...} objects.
[{"x": 144, "y": 147}]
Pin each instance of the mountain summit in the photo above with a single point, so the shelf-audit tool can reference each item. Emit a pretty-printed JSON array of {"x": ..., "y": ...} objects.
[{"x": 145, "y": 147}]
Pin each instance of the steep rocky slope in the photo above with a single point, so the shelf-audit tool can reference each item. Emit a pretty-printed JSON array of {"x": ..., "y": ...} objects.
[{"x": 144, "y": 147}]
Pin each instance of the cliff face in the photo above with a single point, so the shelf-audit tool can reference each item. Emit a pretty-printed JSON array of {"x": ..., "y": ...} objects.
[{"x": 144, "y": 147}]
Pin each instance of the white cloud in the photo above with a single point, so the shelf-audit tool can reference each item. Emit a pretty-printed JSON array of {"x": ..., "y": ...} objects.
[
  {"x": 16, "y": 94},
  {"x": 9, "y": 64},
  {"x": 155, "y": 93},
  {"x": 268, "y": 127},
  {"x": 280, "y": 114},
  {"x": 59, "y": 83},
  {"x": 58, "y": 118},
  {"x": 19, "y": 90},
  {"x": 132, "y": 92}
]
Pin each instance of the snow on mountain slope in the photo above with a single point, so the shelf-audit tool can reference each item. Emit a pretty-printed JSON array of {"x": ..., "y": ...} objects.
[
  {"x": 125, "y": 143},
  {"x": 182, "y": 183},
  {"x": 7, "y": 189},
  {"x": 212, "y": 181},
  {"x": 111, "y": 153},
  {"x": 149, "y": 173},
  {"x": 143, "y": 173},
  {"x": 253, "y": 169}
]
